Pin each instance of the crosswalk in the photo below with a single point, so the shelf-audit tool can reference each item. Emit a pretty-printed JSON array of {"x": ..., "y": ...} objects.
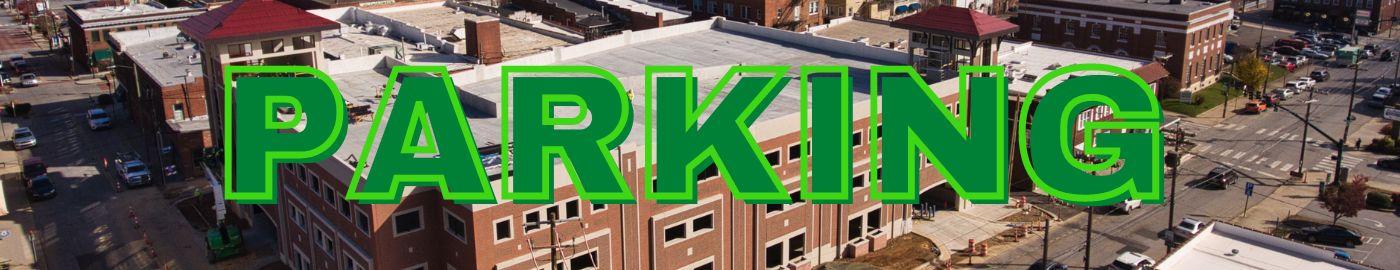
[{"x": 1329, "y": 164}]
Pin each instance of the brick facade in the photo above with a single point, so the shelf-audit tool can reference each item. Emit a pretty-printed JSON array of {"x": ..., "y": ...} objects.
[
  {"x": 796, "y": 15},
  {"x": 1192, "y": 44},
  {"x": 1337, "y": 15}
]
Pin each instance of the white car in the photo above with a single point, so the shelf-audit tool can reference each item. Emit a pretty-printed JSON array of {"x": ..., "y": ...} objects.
[
  {"x": 1128, "y": 205},
  {"x": 1285, "y": 93},
  {"x": 1311, "y": 82},
  {"x": 98, "y": 119},
  {"x": 1190, "y": 226},
  {"x": 24, "y": 138},
  {"x": 29, "y": 80},
  {"x": 1300, "y": 85},
  {"x": 1129, "y": 260},
  {"x": 1381, "y": 93}
]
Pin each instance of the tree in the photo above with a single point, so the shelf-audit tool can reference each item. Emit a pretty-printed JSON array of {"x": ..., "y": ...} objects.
[
  {"x": 1345, "y": 199},
  {"x": 1252, "y": 72}
]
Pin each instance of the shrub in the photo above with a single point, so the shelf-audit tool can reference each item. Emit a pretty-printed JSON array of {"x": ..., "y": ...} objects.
[
  {"x": 1382, "y": 145},
  {"x": 1379, "y": 200}
]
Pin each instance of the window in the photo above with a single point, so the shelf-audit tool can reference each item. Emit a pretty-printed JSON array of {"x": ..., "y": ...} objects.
[
  {"x": 272, "y": 46},
  {"x": 345, "y": 207},
  {"x": 856, "y": 139},
  {"x": 812, "y": 7},
  {"x": 687, "y": 229},
  {"x": 177, "y": 111},
  {"x": 710, "y": 8},
  {"x": 581, "y": 262},
  {"x": 706, "y": 266},
  {"x": 794, "y": 152},
  {"x": 872, "y": 220},
  {"x": 709, "y": 172},
  {"x": 351, "y": 264},
  {"x": 855, "y": 229},
  {"x": 599, "y": 207},
  {"x": 1123, "y": 34},
  {"x": 1161, "y": 39},
  {"x": 791, "y": 250},
  {"x": 858, "y": 181},
  {"x": 880, "y": 131},
  {"x": 796, "y": 197},
  {"x": 744, "y": 11},
  {"x": 1035, "y": 23},
  {"x": 298, "y": 217},
  {"x": 301, "y": 173},
  {"x": 1069, "y": 27},
  {"x": 531, "y": 221},
  {"x": 728, "y": 9},
  {"x": 408, "y": 221},
  {"x": 456, "y": 227},
  {"x": 303, "y": 42},
  {"x": 1095, "y": 31},
  {"x": 504, "y": 229},
  {"x": 240, "y": 50},
  {"x": 328, "y": 195},
  {"x": 323, "y": 241},
  {"x": 676, "y": 232},
  {"x": 773, "y": 158},
  {"x": 362, "y": 222},
  {"x": 315, "y": 185},
  {"x": 95, "y": 36},
  {"x": 571, "y": 209}
]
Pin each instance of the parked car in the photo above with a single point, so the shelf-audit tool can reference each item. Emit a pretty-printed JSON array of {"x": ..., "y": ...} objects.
[
  {"x": 1320, "y": 75},
  {"x": 1329, "y": 234},
  {"x": 19, "y": 66},
  {"x": 1387, "y": 56},
  {"x": 1389, "y": 164},
  {"x": 40, "y": 187},
  {"x": 1255, "y": 107},
  {"x": 1127, "y": 206},
  {"x": 1129, "y": 260},
  {"x": 24, "y": 138},
  {"x": 98, "y": 119},
  {"x": 1309, "y": 80},
  {"x": 1289, "y": 42},
  {"x": 1221, "y": 177},
  {"x": 133, "y": 172},
  {"x": 1286, "y": 50},
  {"x": 29, "y": 80},
  {"x": 1381, "y": 93},
  {"x": 1333, "y": 35},
  {"x": 1315, "y": 54},
  {"x": 1048, "y": 265},
  {"x": 1189, "y": 227},
  {"x": 1297, "y": 84},
  {"x": 1285, "y": 93},
  {"x": 1299, "y": 59},
  {"x": 33, "y": 167},
  {"x": 1288, "y": 66}
]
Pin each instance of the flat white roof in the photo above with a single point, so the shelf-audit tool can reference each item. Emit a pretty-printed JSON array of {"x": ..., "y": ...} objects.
[
  {"x": 1214, "y": 248},
  {"x": 648, "y": 8},
  {"x": 1033, "y": 61}
]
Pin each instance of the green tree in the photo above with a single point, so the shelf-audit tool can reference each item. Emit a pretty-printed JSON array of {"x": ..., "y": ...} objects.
[
  {"x": 1346, "y": 199},
  {"x": 1252, "y": 72}
]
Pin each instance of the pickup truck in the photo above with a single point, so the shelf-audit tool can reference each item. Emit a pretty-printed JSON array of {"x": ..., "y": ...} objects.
[{"x": 133, "y": 172}]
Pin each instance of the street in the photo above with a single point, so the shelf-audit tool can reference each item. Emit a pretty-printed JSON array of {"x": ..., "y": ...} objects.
[
  {"x": 1264, "y": 148},
  {"x": 94, "y": 222}
]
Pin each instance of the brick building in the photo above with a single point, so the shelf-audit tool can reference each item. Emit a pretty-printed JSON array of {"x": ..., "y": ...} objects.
[
  {"x": 1368, "y": 16},
  {"x": 89, "y": 28},
  {"x": 596, "y": 19},
  {"x": 1188, "y": 36},
  {"x": 795, "y": 15},
  {"x": 161, "y": 77}
]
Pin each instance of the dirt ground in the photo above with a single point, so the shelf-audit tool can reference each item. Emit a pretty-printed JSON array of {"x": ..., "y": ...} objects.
[{"x": 905, "y": 252}]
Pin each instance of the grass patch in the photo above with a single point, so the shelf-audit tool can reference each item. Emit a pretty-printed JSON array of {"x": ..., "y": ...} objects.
[{"x": 1211, "y": 96}]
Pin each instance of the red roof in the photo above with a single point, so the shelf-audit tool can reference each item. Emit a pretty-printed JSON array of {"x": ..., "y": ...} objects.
[
  {"x": 956, "y": 20},
  {"x": 1151, "y": 72},
  {"x": 253, "y": 18}
]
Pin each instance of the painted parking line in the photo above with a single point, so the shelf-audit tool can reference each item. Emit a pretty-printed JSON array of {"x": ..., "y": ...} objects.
[
  {"x": 1272, "y": 133},
  {"x": 1268, "y": 174},
  {"x": 1227, "y": 152},
  {"x": 1293, "y": 138},
  {"x": 1240, "y": 154},
  {"x": 1261, "y": 131},
  {"x": 1286, "y": 167}
]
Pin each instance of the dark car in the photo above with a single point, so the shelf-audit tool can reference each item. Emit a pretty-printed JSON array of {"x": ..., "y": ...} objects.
[
  {"x": 34, "y": 167},
  {"x": 1387, "y": 55},
  {"x": 1286, "y": 50},
  {"x": 1048, "y": 265},
  {"x": 1330, "y": 234},
  {"x": 40, "y": 187},
  {"x": 1221, "y": 177},
  {"x": 1389, "y": 164},
  {"x": 1320, "y": 75},
  {"x": 1334, "y": 36}
]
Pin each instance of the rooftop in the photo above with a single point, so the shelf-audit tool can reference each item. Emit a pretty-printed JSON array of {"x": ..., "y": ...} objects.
[
  {"x": 117, "y": 15},
  {"x": 1224, "y": 246},
  {"x": 1027, "y": 61},
  {"x": 957, "y": 21},
  {"x": 253, "y": 18},
  {"x": 349, "y": 42},
  {"x": 1186, "y": 7},
  {"x": 516, "y": 42},
  {"x": 650, "y": 8},
  {"x": 161, "y": 53},
  {"x": 875, "y": 33}
]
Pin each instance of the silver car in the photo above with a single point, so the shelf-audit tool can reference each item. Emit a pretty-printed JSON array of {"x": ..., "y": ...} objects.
[
  {"x": 24, "y": 138},
  {"x": 1285, "y": 93},
  {"x": 29, "y": 80}
]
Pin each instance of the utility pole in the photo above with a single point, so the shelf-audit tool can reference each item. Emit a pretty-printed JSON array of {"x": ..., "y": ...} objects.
[
  {"x": 1351, "y": 109},
  {"x": 1045, "y": 243},
  {"x": 554, "y": 245},
  {"x": 1088, "y": 237},
  {"x": 1307, "y": 120},
  {"x": 1176, "y": 165}
]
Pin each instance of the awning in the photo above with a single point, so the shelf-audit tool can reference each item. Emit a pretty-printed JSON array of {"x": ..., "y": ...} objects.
[
  {"x": 103, "y": 54},
  {"x": 914, "y": 6},
  {"x": 901, "y": 9}
]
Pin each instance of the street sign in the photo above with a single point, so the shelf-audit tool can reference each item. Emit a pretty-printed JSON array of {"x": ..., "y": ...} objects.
[
  {"x": 1248, "y": 189},
  {"x": 1392, "y": 114}
]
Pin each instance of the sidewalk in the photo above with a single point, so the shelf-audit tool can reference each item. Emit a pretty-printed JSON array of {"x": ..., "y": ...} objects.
[
  {"x": 951, "y": 229},
  {"x": 16, "y": 247},
  {"x": 1285, "y": 201}
]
